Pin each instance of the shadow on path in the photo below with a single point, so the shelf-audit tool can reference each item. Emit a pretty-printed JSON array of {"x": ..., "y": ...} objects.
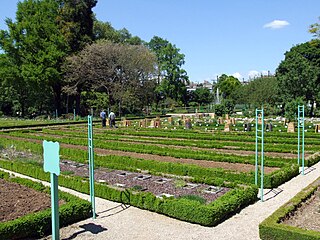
[
  {"x": 120, "y": 208},
  {"x": 272, "y": 193},
  {"x": 307, "y": 170},
  {"x": 90, "y": 227}
]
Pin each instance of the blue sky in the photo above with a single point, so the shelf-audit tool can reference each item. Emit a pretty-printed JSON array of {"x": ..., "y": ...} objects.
[{"x": 217, "y": 36}]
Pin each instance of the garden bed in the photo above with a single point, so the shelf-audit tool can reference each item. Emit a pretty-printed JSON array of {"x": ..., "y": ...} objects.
[
  {"x": 17, "y": 200},
  {"x": 25, "y": 208},
  {"x": 157, "y": 185},
  {"x": 307, "y": 216},
  {"x": 298, "y": 219}
]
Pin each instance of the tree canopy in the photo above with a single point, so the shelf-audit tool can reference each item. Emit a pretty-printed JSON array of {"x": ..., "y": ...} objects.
[
  {"x": 123, "y": 72},
  {"x": 227, "y": 85},
  {"x": 34, "y": 49},
  {"x": 172, "y": 78},
  {"x": 298, "y": 75}
]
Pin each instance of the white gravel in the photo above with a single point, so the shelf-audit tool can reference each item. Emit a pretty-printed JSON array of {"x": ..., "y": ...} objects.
[{"x": 118, "y": 222}]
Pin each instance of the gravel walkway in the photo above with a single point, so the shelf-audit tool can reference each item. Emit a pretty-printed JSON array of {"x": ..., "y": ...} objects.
[{"x": 118, "y": 222}]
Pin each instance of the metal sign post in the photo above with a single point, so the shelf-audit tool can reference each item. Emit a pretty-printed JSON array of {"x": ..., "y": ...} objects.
[
  {"x": 301, "y": 136},
  {"x": 91, "y": 165},
  {"x": 51, "y": 164},
  {"x": 259, "y": 135}
]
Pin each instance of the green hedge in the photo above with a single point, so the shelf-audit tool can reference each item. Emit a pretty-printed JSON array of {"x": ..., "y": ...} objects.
[
  {"x": 272, "y": 228},
  {"x": 183, "y": 209},
  {"x": 38, "y": 224},
  {"x": 202, "y": 174}
]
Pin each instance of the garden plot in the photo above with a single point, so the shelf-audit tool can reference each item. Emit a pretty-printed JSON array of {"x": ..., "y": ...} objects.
[
  {"x": 307, "y": 216},
  {"x": 298, "y": 218},
  {"x": 176, "y": 187},
  {"x": 17, "y": 200},
  {"x": 163, "y": 170},
  {"x": 25, "y": 208}
]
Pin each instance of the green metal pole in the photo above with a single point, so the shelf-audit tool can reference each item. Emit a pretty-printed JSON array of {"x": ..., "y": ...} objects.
[
  {"x": 302, "y": 140},
  {"x": 262, "y": 154},
  {"x": 91, "y": 166},
  {"x": 256, "y": 159},
  {"x": 299, "y": 136},
  {"x": 54, "y": 206}
]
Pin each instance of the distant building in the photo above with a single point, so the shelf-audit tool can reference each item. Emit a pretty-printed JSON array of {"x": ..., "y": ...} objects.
[{"x": 205, "y": 84}]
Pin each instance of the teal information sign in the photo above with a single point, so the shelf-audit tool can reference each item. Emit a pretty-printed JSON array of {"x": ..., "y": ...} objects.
[{"x": 51, "y": 164}]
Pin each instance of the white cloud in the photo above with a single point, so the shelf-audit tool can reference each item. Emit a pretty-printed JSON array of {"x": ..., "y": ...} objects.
[
  {"x": 237, "y": 75},
  {"x": 253, "y": 74},
  {"x": 265, "y": 72},
  {"x": 276, "y": 24}
]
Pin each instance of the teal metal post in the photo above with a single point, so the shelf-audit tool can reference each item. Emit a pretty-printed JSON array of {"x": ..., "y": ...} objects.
[
  {"x": 262, "y": 153},
  {"x": 256, "y": 158},
  {"x": 91, "y": 165},
  {"x": 54, "y": 206},
  {"x": 301, "y": 136},
  {"x": 261, "y": 137},
  {"x": 51, "y": 160},
  {"x": 74, "y": 114}
]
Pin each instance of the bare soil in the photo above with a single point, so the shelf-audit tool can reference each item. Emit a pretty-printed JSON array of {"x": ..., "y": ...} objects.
[
  {"x": 308, "y": 215},
  {"x": 17, "y": 200},
  {"x": 144, "y": 181}
]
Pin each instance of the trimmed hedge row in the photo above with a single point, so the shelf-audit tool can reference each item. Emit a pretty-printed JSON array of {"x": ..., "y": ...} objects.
[
  {"x": 39, "y": 224},
  {"x": 215, "y": 176},
  {"x": 164, "y": 151},
  {"x": 272, "y": 228},
  {"x": 216, "y": 142},
  {"x": 183, "y": 209}
]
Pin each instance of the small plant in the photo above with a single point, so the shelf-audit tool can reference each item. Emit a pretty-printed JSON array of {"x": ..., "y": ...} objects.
[
  {"x": 196, "y": 198},
  {"x": 137, "y": 188},
  {"x": 10, "y": 152},
  {"x": 67, "y": 172},
  {"x": 180, "y": 183}
]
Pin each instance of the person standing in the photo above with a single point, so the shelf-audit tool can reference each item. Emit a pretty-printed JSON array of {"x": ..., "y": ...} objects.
[
  {"x": 112, "y": 119},
  {"x": 103, "y": 116}
]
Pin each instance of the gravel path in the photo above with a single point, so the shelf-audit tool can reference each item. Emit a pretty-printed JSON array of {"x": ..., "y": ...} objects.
[{"x": 118, "y": 222}]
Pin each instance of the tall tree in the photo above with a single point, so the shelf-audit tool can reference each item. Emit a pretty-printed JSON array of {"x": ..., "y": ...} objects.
[
  {"x": 123, "y": 72},
  {"x": 104, "y": 30},
  {"x": 76, "y": 22},
  {"x": 262, "y": 90},
  {"x": 227, "y": 85},
  {"x": 34, "y": 49},
  {"x": 172, "y": 78},
  {"x": 298, "y": 75}
]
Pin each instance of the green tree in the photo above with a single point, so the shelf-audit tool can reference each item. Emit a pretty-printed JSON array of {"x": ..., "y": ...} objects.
[
  {"x": 172, "y": 79},
  {"x": 260, "y": 91},
  {"x": 34, "y": 50},
  {"x": 75, "y": 21},
  {"x": 298, "y": 75},
  {"x": 123, "y": 72},
  {"x": 104, "y": 30},
  {"x": 314, "y": 29},
  {"x": 202, "y": 96},
  {"x": 227, "y": 85}
]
